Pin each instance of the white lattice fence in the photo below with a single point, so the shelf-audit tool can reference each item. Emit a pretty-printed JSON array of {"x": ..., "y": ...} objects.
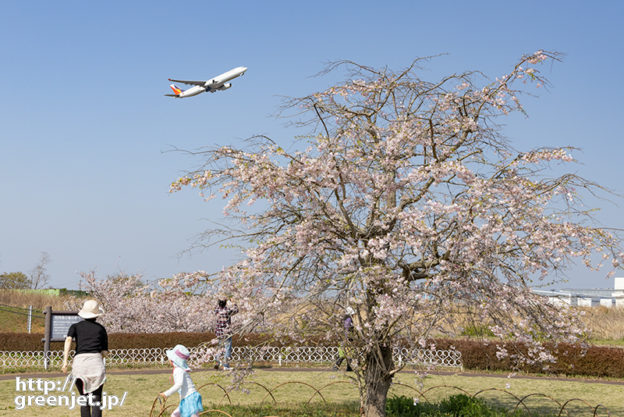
[{"x": 245, "y": 354}]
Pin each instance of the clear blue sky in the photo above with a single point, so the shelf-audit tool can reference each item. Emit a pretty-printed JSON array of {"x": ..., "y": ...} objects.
[{"x": 84, "y": 174}]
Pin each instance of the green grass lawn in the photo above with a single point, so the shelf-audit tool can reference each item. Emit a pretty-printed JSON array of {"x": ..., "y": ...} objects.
[{"x": 327, "y": 393}]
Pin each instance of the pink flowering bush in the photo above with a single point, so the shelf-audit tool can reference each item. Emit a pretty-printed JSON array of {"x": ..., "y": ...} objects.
[{"x": 403, "y": 203}]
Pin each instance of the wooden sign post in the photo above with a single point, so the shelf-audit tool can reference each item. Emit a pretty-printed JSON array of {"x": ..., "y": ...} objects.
[{"x": 57, "y": 324}]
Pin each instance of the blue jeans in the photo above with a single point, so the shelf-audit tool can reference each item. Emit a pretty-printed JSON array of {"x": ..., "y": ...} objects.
[{"x": 225, "y": 351}]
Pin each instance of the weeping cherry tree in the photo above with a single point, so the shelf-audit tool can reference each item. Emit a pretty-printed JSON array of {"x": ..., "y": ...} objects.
[{"x": 406, "y": 204}]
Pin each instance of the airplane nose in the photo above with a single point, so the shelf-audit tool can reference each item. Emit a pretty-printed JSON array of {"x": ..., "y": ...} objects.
[{"x": 243, "y": 69}]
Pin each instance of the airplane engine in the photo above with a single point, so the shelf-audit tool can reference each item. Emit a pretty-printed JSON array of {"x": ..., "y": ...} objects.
[{"x": 225, "y": 86}]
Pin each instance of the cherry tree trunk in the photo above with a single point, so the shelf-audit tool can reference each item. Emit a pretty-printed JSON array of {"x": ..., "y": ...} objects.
[{"x": 377, "y": 380}]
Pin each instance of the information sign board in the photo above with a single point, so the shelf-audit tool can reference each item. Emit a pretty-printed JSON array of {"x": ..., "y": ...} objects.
[
  {"x": 56, "y": 325},
  {"x": 60, "y": 325}
]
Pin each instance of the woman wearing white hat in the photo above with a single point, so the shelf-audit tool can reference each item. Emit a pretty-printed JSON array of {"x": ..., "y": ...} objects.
[{"x": 88, "y": 364}]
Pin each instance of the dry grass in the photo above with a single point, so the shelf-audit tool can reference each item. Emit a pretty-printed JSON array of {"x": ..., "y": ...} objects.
[
  {"x": 15, "y": 319},
  {"x": 605, "y": 323},
  {"x": 39, "y": 302}
]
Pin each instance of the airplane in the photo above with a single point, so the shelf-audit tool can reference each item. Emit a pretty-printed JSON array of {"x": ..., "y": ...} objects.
[{"x": 218, "y": 83}]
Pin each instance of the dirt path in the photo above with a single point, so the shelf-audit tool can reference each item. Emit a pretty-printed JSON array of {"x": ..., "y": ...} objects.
[{"x": 5, "y": 377}]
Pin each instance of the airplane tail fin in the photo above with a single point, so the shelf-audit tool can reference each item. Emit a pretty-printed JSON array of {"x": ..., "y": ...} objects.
[{"x": 176, "y": 90}]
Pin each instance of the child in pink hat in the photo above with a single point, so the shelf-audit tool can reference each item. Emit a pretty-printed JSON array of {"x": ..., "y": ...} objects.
[{"x": 190, "y": 400}]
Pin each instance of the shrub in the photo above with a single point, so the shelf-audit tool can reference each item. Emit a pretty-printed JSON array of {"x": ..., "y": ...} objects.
[
  {"x": 399, "y": 406},
  {"x": 21, "y": 341},
  {"x": 570, "y": 359},
  {"x": 454, "y": 406}
]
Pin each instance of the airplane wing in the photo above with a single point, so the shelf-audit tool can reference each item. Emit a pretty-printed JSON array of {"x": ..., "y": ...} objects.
[{"x": 201, "y": 83}]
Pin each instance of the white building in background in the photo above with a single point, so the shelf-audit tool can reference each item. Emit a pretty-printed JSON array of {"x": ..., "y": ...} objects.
[
  {"x": 619, "y": 292},
  {"x": 587, "y": 297}
]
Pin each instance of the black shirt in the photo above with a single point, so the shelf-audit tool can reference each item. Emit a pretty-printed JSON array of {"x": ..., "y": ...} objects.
[{"x": 90, "y": 336}]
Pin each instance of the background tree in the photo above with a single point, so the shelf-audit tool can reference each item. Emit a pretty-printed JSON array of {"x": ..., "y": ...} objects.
[
  {"x": 410, "y": 207},
  {"x": 176, "y": 304},
  {"x": 14, "y": 280},
  {"x": 39, "y": 276}
]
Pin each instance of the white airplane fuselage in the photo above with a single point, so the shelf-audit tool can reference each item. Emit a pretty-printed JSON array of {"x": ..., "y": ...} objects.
[
  {"x": 217, "y": 83},
  {"x": 193, "y": 91}
]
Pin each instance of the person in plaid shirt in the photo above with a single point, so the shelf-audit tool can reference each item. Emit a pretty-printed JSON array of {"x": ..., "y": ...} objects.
[{"x": 224, "y": 332}]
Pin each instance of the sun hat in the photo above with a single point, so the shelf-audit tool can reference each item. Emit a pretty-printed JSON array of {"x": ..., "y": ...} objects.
[
  {"x": 90, "y": 310},
  {"x": 178, "y": 355}
]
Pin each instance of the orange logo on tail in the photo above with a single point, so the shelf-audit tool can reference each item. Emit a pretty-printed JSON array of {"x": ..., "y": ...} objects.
[{"x": 175, "y": 89}]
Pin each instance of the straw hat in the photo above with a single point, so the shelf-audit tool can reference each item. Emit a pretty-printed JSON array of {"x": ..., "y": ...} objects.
[
  {"x": 90, "y": 309},
  {"x": 178, "y": 355}
]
